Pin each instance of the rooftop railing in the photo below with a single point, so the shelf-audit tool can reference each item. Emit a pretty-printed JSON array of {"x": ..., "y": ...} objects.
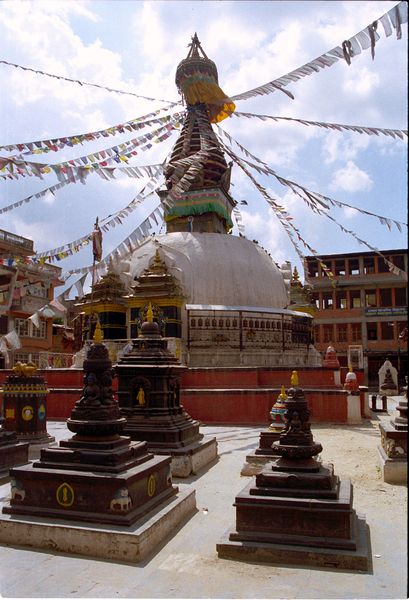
[{"x": 16, "y": 240}]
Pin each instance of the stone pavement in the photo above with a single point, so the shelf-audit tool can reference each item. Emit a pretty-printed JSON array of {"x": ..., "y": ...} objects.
[{"x": 187, "y": 565}]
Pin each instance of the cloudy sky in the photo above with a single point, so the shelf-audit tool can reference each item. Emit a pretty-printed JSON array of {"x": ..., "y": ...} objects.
[{"x": 135, "y": 46}]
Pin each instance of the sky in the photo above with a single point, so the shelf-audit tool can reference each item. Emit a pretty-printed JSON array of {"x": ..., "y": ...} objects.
[{"x": 136, "y": 46}]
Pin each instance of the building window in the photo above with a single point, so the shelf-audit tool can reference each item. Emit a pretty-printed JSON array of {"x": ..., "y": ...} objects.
[
  {"x": 40, "y": 332},
  {"x": 370, "y": 297},
  {"x": 372, "y": 331},
  {"x": 353, "y": 266},
  {"x": 355, "y": 299},
  {"x": 193, "y": 323},
  {"x": 25, "y": 328},
  {"x": 313, "y": 269},
  {"x": 369, "y": 265},
  {"x": 339, "y": 268},
  {"x": 26, "y": 357},
  {"x": 385, "y": 297},
  {"x": 317, "y": 333},
  {"x": 327, "y": 301},
  {"x": 4, "y": 324},
  {"x": 356, "y": 334},
  {"x": 22, "y": 327},
  {"x": 341, "y": 299},
  {"x": 342, "y": 332},
  {"x": 399, "y": 261},
  {"x": 327, "y": 333},
  {"x": 387, "y": 330},
  {"x": 382, "y": 266},
  {"x": 315, "y": 299},
  {"x": 400, "y": 297}
]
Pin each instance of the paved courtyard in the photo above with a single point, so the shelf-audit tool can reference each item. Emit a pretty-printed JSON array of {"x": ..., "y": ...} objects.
[{"x": 187, "y": 565}]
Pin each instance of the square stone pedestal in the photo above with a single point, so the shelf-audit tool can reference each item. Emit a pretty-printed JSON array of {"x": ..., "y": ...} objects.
[
  {"x": 12, "y": 454},
  {"x": 302, "y": 515},
  {"x": 393, "y": 452},
  {"x": 394, "y": 470},
  {"x": 308, "y": 556},
  {"x": 192, "y": 459},
  {"x": 110, "y": 542}
]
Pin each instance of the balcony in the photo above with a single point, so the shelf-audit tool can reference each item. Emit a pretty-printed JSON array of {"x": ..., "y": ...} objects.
[{"x": 10, "y": 242}]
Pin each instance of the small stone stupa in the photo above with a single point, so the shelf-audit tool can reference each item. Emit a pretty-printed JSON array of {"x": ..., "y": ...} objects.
[
  {"x": 97, "y": 477},
  {"x": 297, "y": 511},
  {"x": 148, "y": 394},
  {"x": 393, "y": 451}
]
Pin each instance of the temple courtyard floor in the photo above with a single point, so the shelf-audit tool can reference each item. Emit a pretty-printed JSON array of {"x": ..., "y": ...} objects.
[{"x": 187, "y": 565}]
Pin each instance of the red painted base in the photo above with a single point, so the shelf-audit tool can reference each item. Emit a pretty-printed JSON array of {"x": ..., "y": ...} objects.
[{"x": 242, "y": 395}]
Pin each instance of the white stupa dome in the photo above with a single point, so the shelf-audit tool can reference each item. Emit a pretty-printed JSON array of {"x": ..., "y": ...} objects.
[{"x": 214, "y": 269}]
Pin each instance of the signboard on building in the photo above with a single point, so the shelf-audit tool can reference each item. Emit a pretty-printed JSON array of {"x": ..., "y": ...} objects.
[{"x": 386, "y": 312}]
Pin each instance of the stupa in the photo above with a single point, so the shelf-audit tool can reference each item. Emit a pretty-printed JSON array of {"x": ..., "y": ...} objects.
[
  {"x": 222, "y": 296},
  {"x": 116, "y": 497},
  {"x": 296, "y": 510},
  {"x": 149, "y": 397}
]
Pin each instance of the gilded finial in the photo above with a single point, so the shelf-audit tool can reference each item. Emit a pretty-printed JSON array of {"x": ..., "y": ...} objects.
[
  {"x": 296, "y": 276},
  {"x": 350, "y": 368},
  {"x": 294, "y": 378},
  {"x": 98, "y": 335},
  {"x": 282, "y": 395},
  {"x": 149, "y": 313}
]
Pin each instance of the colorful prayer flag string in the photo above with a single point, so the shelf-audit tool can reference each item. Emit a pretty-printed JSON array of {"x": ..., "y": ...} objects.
[
  {"x": 361, "y": 41},
  {"x": 96, "y": 85},
  {"x": 394, "y": 133}
]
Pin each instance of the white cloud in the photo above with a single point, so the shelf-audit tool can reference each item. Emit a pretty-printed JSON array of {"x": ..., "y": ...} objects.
[
  {"x": 362, "y": 83},
  {"x": 351, "y": 179},
  {"x": 343, "y": 147}
]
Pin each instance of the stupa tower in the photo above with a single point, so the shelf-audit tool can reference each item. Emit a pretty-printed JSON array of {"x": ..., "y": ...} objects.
[{"x": 197, "y": 176}]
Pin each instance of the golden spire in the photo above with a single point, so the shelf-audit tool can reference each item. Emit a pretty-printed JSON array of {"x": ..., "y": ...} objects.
[
  {"x": 294, "y": 378},
  {"x": 282, "y": 395},
  {"x": 149, "y": 313},
  {"x": 98, "y": 335}
]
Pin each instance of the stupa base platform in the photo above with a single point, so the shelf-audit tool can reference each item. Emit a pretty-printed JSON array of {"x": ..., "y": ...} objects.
[
  {"x": 394, "y": 470},
  {"x": 255, "y": 463},
  {"x": 37, "y": 444},
  {"x": 191, "y": 459},
  {"x": 304, "y": 555},
  {"x": 110, "y": 542},
  {"x": 12, "y": 455}
]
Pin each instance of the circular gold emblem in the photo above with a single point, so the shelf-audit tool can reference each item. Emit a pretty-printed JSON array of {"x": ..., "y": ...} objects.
[
  {"x": 151, "y": 485},
  {"x": 27, "y": 413},
  {"x": 65, "y": 495}
]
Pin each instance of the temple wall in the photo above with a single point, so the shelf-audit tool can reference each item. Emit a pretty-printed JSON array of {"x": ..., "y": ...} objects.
[{"x": 237, "y": 396}]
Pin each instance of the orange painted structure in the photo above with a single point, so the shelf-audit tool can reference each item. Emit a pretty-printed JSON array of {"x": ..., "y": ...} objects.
[{"x": 237, "y": 396}]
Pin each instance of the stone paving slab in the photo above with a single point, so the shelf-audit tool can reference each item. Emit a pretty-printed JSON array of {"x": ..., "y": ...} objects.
[{"x": 187, "y": 566}]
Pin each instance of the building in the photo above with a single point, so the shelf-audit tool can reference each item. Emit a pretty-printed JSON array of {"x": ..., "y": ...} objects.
[
  {"x": 363, "y": 310},
  {"x": 26, "y": 287}
]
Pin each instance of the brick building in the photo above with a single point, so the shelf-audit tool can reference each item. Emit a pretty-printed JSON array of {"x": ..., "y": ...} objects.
[
  {"x": 25, "y": 287},
  {"x": 364, "y": 310}
]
